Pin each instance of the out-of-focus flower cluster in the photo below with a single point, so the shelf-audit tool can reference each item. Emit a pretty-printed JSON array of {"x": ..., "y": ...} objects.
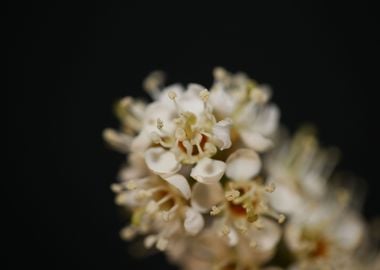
[{"x": 213, "y": 182}]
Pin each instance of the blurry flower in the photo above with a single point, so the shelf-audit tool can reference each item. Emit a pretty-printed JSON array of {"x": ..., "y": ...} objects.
[
  {"x": 325, "y": 234},
  {"x": 300, "y": 170},
  {"x": 246, "y": 103}
]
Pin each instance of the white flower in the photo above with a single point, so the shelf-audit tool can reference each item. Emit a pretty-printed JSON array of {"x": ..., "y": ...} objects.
[
  {"x": 300, "y": 170},
  {"x": 324, "y": 232},
  {"x": 161, "y": 161},
  {"x": 245, "y": 103},
  {"x": 209, "y": 175}
]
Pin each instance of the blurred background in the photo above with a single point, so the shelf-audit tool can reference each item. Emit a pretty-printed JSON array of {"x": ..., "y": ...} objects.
[{"x": 68, "y": 64}]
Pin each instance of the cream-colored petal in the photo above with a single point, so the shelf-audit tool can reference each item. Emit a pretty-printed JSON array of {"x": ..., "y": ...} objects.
[
  {"x": 267, "y": 121},
  {"x": 141, "y": 142},
  {"x": 285, "y": 198},
  {"x": 180, "y": 182},
  {"x": 266, "y": 238},
  {"x": 293, "y": 237},
  {"x": 255, "y": 140},
  {"x": 191, "y": 101},
  {"x": 161, "y": 161},
  {"x": 233, "y": 238},
  {"x": 205, "y": 196},
  {"x": 349, "y": 232},
  {"x": 194, "y": 221},
  {"x": 221, "y": 101},
  {"x": 208, "y": 171},
  {"x": 221, "y": 132},
  {"x": 243, "y": 164}
]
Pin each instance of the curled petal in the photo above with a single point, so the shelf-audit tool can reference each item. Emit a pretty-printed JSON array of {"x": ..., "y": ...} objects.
[
  {"x": 243, "y": 164},
  {"x": 208, "y": 171},
  {"x": 194, "y": 221},
  {"x": 255, "y": 140},
  {"x": 161, "y": 161},
  {"x": 180, "y": 182},
  {"x": 222, "y": 133},
  {"x": 206, "y": 196}
]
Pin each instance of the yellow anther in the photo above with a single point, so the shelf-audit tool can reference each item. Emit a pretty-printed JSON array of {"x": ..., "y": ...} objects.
[
  {"x": 215, "y": 210},
  {"x": 204, "y": 94},
  {"x": 172, "y": 95},
  {"x": 232, "y": 195},
  {"x": 160, "y": 124}
]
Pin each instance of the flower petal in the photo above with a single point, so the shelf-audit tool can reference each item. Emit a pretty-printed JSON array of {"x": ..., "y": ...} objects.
[
  {"x": 221, "y": 132},
  {"x": 221, "y": 101},
  {"x": 206, "y": 196},
  {"x": 243, "y": 164},
  {"x": 286, "y": 199},
  {"x": 255, "y": 140},
  {"x": 208, "y": 171},
  {"x": 267, "y": 237},
  {"x": 141, "y": 142},
  {"x": 161, "y": 161},
  {"x": 180, "y": 182},
  {"x": 194, "y": 221},
  {"x": 117, "y": 140},
  {"x": 267, "y": 121},
  {"x": 233, "y": 238},
  {"x": 350, "y": 232}
]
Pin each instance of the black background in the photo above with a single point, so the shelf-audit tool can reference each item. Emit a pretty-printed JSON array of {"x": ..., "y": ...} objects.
[{"x": 68, "y": 63}]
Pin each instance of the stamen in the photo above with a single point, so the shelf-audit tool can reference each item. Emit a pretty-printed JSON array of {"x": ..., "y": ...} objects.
[
  {"x": 153, "y": 82},
  {"x": 127, "y": 233},
  {"x": 281, "y": 218},
  {"x": 241, "y": 226},
  {"x": 253, "y": 244},
  {"x": 258, "y": 225},
  {"x": 162, "y": 244},
  {"x": 225, "y": 230},
  {"x": 131, "y": 185},
  {"x": 204, "y": 94},
  {"x": 270, "y": 187},
  {"x": 172, "y": 95},
  {"x": 116, "y": 188},
  {"x": 232, "y": 194},
  {"x": 150, "y": 240},
  {"x": 160, "y": 124},
  {"x": 121, "y": 198},
  {"x": 251, "y": 215},
  {"x": 215, "y": 210}
]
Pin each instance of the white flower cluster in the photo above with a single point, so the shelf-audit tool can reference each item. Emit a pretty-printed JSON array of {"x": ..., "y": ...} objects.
[{"x": 212, "y": 181}]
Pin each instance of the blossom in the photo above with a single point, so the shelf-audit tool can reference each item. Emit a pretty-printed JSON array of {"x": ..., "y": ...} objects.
[
  {"x": 246, "y": 103},
  {"x": 212, "y": 181},
  {"x": 300, "y": 170}
]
